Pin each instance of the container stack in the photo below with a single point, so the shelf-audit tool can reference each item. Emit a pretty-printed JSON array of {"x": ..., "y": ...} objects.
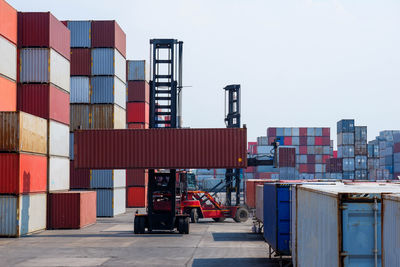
[
  {"x": 396, "y": 160},
  {"x": 360, "y": 153},
  {"x": 373, "y": 160},
  {"x": 312, "y": 145},
  {"x": 137, "y": 109},
  {"x": 250, "y": 171},
  {"x": 98, "y": 101},
  {"x": 264, "y": 151},
  {"x": 287, "y": 163},
  {"x": 345, "y": 139},
  {"x": 334, "y": 168}
]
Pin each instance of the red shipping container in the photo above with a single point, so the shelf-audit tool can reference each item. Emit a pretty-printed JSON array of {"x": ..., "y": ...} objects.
[
  {"x": 310, "y": 168},
  {"x": 8, "y": 94},
  {"x": 8, "y": 22},
  {"x": 311, "y": 159},
  {"x": 138, "y": 125},
  {"x": 251, "y": 169},
  {"x": 78, "y": 178},
  {"x": 161, "y": 149},
  {"x": 288, "y": 140},
  {"x": 303, "y": 150},
  {"x": 326, "y": 141},
  {"x": 303, "y": 140},
  {"x": 138, "y": 91},
  {"x": 287, "y": 157},
  {"x": 22, "y": 173},
  {"x": 325, "y": 158},
  {"x": 335, "y": 154},
  {"x": 137, "y": 177},
  {"x": 108, "y": 34},
  {"x": 334, "y": 165},
  {"x": 42, "y": 29},
  {"x": 396, "y": 148},
  {"x": 271, "y": 132},
  {"x": 318, "y": 141},
  {"x": 136, "y": 197},
  {"x": 303, "y": 131},
  {"x": 71, "y": 210},
  {"x": 303, "y": 168},
  {"x": 45, "y": 101},
  {"x": 326, "y": 132},
  {"x": 137, "y": 112},
  {"x": 81, "y": 62}
]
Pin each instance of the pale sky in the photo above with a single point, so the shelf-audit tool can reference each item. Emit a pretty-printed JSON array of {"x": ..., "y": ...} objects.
[{"x": 300, "y": 62}]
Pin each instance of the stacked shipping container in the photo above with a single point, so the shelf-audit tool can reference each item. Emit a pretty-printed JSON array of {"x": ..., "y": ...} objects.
[
  {"x": 360, "y": 153},
  {"x": 345, "y": 139},
  {"x": 98, "y": 95}
]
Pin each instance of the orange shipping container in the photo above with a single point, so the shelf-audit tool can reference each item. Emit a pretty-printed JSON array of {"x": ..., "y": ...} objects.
[
  {"x": 251, "y": 191},
  {"x": 8, "y": 93},
  {"x": 136, "y": 197},
  {"x": 22, "y": 173},
  {"x": 8, "y": 22}
]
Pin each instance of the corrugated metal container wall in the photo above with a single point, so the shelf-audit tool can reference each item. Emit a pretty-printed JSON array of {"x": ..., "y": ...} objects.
[
  {"x": 58, "y": 139},
  {"x": 35, "y": 68},
  {"x": 108, "y": 34},
  {"x": 45, "y": 101},
  {"x": 42, "y": 29},
  {"x": 138, "y": 91},
  {"x": 80, "y": 33},
  {"x": 108, "y": 61},
  {"x": 108, "y": 90},
  {"x": 138, "y": 112},
  {"x": 58, "y": 173},
  {"x": 107, "y": 116},
  {"x": 22, "y": 173},
  {"x": 110, "y": 202},
  {"x": 259, "y": 202},
  {"x": 80, "y": 89},
  {"x": 79, "y": 117},
  {"x": 107, "y": 178},
  {"x": 71, "y": 210},
  {"x": 81, "y": 59},
  {"x": 8, "y": 95},
  {"x": 136, "y": 70},
  {"x": 390, "y": 230},
  {"x": 8, "y": 22},
  {"x": 136, "y": 177},
  {"x": 21, "y": 131},
  {"x": 79, "y": 179},
  {"x": 160, "y": 148},
  {"x": 137, "y": 125},
  {"x": 137, "y": 197},
  {"x": 8, "y": 59},
  {"x": 22, "y": 214}
]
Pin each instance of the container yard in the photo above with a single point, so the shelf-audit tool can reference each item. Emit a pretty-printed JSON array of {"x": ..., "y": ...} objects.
[{"x": 126, "y": 143}]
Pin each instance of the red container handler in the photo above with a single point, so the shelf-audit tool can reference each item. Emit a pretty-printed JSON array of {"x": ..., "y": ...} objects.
[
  {"x": 136, "y": 197},
  {"x": 45, "y": 101},
  {"x": 8, "y": 22},
  {"x": 78, "y": 178},
  {"x": 22, "y": 173},
  {"x": 136, "y": 177},
  {"x": 71, "y": 210},
  {"x": 137, "y": 112},
  {"x": 81, "y": 60},
  {"x": 108, "y": 34},
  {"x": 42, "y": 29},
  {"x": 161, "y": 149},
  {"x": 138, "y": 91},
  {"x": 287, "y": 157}
]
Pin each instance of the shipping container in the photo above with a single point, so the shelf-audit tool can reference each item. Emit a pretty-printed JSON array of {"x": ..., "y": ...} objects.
[
  {"x": 81, "y": 59},
  {"x": 71, "y": 210},
  {"x": 108, "y": 34},
  {"x": 287, "y": 157},
  {"x": 42, "y": 29},
  {"x": 138, "y": 91},
  {"x": 265, "y": 150},
  {"x": 360, "y": 134},
  {"x": 107, "y": 178},
  {"x": 107, "y": 116},
  {"x": 160, "y": 148},
  {"x": 79, "y": 178},
  {"x": 22, "y": 214},
  {"x": 22, "y": 173},
  {"x": 80, "y": 33},
  {"x": 346, "y": 151},
  {"x": 44, "y": 65},
  {"x": 136, "y": 177},
  {"x": 137, "y": 70},
  {"x": 262, "y": 141},
  {"x": 8, "y": 95},
  {"x": 111, "y": 202},
  {"x": 271, "y": 132},
  {"x": 20, "y": 131},
  {"x": 345, "y": 139},
  {"x": 71, "y": 146},
  {"x": 108, "y": 61},
  {"x": 137, "y": 125},
  {"x": 334, "y": 165},
  {"x": 345, "y": 126},
  {"x": 136, "y": 197},
  {"x": 260, "y": 202},
  {"x": 335, "y": 224},
  {"x": 79, "y": 117},
  {"x": 108, "y": 90},
  {"x": 8, "y": 59},
  {"x": 250, "y": 189},
  {"x": 58, "y": 173},
  {"x": 390, "y": 230},
  {"x": 8, "y": 22},
  {"x": 80, "y": 89},
  {"x": 58, "y": 139},
  {"x": 45, "y": 101}
]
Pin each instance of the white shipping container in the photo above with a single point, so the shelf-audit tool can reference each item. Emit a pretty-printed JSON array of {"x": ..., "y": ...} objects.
[
  {"x": 58, "y": 173},
  {"x": 260, "y": 202},
  {"x": 8, "y": 59},
  {"x": 58, "y": 139},
  {"x": 22, "y": 214},
  {"x": 391, "y": 230}
]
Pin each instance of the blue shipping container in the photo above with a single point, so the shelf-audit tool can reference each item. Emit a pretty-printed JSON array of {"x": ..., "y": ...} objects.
[
  {"x": 281, "y": 140},
  {"x": 80, "y": 33},
  {"x": 71, "y": 146},
  {"x": 80, "y": 89},
  {"x": 107, "y": 178},
  {"x": 110, "y": 202},
  {"x": 136, "y": 70},
  {"x": 108, "y": 90},
  {"x": 345, "y": 126}
]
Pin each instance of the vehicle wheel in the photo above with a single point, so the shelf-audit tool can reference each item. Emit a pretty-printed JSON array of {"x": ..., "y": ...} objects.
[
  {"x": 194, "y": 216},
  {"x": 181, "y": 222},
  {"x": 186, "y": 226},
  {"x": 220, "y": 219},
  {"x": 136, "y": 225},
  {"x": 142, "y": 225},
  {"x": 242, "y": 214}
]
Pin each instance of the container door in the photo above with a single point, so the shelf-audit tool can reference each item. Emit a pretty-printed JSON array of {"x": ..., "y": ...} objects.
[
  {"x": 270, "y": 215},
  {"x": 283, "y": 207},
  {"x": 359, "y": 234}
]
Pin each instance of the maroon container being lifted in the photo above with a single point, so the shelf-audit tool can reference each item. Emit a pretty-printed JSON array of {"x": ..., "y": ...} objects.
[
  {"x": 108, "y": 34},
  {"x": 136, "y": 177},
  {"x": 138, "y": 91},
  {"x": 287, "y": 157},
  {"x": 81, "y": 62},
  {"x": 161, "y": 149},
  {"x": 42, "y": 29}
]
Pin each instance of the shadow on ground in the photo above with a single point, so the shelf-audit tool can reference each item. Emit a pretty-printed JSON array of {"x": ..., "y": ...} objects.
[
  {"x": 253, "y": 262},
  {"x": 239, "y": 237}
]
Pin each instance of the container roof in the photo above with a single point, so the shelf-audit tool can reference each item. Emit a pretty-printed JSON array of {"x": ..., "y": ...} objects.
[{"x": 359, "y": 188}]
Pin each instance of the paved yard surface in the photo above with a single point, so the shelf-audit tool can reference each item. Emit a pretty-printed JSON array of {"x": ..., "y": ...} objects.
[{"x": 111, "y": 242}]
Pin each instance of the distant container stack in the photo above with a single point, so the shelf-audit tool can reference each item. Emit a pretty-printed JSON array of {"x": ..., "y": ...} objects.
[
  {"x": 345, "y": 142},
  {"x": 98, "y": 101},
  {"x": 360, "y": 153},
  {"x": 373, "y": 161}
]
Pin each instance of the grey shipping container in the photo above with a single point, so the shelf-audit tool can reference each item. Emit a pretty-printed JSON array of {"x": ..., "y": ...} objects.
[
  {"x": 108, "y": 61},
  {"x": 137, "y": 70},
  {"x": 110, "y": 202},
  {"x": 345, "y": 139}
]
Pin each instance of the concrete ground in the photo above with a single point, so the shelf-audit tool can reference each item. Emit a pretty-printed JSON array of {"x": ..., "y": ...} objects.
[{"x": 111, "y": 242}]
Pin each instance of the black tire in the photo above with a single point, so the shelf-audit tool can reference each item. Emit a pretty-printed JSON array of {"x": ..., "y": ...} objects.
[
  {"x": 142, "y": 226},
  {"x": 242, "y": 214},
  {"x": 181, "y": 222},
  {"x": 194, "y": 216},
  {"x": 186, "y": 226},
  {"x": 136, "y": 225},
  {"x": 220, "y": 219}
]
